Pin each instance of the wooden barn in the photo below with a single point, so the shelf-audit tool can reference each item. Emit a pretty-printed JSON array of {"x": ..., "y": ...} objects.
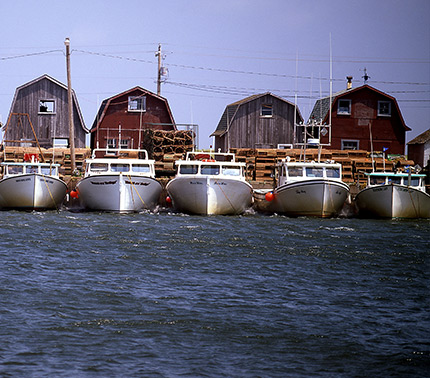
[
  {"x": 40, "y": 111},
  {"x": 259, "y": 121},
  {"x": 121, "y": 119},
  {"x": 359, "y": 115},
  {"x": 419, "y": 149}
]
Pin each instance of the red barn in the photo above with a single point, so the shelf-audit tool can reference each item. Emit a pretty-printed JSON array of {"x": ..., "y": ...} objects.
[
  {"x": 122, "y": 118},
  {"x": 359, "y": 115}
]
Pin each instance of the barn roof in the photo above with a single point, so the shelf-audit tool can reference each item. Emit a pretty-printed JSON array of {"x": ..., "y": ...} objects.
[
  {"x": 321, "y": 108},
  {"x": 231, "y": 109},
  {"x": 422, "y": 138},
  {"x": 105, "y": 104}
]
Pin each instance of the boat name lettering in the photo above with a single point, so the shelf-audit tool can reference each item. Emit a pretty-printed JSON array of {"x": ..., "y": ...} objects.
[
  {"x": 196, "y": 183},
  {"x": 220, "y": 183},
  {"x": 137, "y": 183},
  {"x": 21, "y": 180},
  {"x": 379, "y": 189},
  {"x": 103, "y": 183},
  {"x": 301, "y": 191}
]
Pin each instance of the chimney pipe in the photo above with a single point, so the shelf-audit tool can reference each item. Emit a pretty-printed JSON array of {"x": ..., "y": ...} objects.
[{"x": 349, "y": 82}]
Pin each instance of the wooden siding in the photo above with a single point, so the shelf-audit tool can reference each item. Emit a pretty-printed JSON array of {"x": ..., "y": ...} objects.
[
  {"x": 251, "y": 130},
  {"x": 387, "y": 131},
  {"x": 156, "y": 117},
  {"x": 47, "y": 126}
]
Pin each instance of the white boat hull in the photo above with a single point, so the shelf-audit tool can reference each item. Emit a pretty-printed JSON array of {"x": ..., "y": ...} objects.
[
  {"x": 32, "y": 192},
  {"x": 119, "y": 193},
  {"x": 393, "y": 201},
  {"x": 317, "y": 198},
  {"x": 209, "y": 196}
]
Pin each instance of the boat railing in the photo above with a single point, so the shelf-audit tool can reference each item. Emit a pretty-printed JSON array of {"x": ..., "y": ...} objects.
[
  {"x": 120, "y": 153},
  {"x": 210, "y": 156}
]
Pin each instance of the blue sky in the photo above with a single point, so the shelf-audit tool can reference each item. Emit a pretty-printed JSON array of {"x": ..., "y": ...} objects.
[{"x": 218, "y": 52}]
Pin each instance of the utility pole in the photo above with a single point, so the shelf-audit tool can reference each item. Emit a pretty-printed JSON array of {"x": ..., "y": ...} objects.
[
  {"x": 70, "y": 103},
  {"x": 158, "y": 53}
]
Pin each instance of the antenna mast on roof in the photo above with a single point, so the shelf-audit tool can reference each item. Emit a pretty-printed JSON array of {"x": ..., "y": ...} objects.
[{"x": 365, "y": 76}]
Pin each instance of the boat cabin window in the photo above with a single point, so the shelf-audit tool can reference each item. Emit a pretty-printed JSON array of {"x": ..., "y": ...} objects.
[
  {"x": 141, "y": 168},
  {"x": 32, "y": 169},
  {"x": 294, "y": 172},
  {"x": 188, "y": 169},
  {"x": 47, "y": 170},
  {"x": 332, "y": 172},
  {"x": 314, "y": 172},
  {"x": 395, "y": 180},
  {"x": 98, "y": 167},
  {"x": 231, "y": 171},
  {"x": 119, "y": 167},
  {"x": 377, "y": 180},
  {"x": 15, "y": 169},
  {"x": 210, "y": 169},
  {"x": 415, "y": 181}
]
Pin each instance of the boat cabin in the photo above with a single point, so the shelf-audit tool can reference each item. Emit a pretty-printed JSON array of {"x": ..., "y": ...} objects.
[
  {"x": 19, "y": 169},
  {"x": 307, "y": 171},
  {"x": 389, "y": 178},
  {"x": 211, "y": 164}
]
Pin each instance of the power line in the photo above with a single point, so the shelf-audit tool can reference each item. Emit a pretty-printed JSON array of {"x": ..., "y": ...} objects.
[{"x": 30, "y": 54}]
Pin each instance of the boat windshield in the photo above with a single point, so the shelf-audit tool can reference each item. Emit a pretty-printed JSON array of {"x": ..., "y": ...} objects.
[
  {"x": 332, "y": 172},
  {"x": 142, "y": 168},
  {"x": 31, "y": 169},
  {"x": 295, "y": 171},
  {"x": 415, "y": 181},
  {"x": 210, "y": 169},
  {"x": 48, "y": 170},
  {"x": 377, "y": 180},
  {"x": 231, "y": 171},
  {"x": 15, "y": 169},
  {"x": 98, "y": 167},
  {"x": 119, "y": 167},
  {"x": 314, "y": 172},
  {"x": 188, "y": 169},
  {"x": 395, "y": 180}
]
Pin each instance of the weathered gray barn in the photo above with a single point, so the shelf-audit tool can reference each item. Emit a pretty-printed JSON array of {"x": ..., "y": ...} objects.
[
  {"x": 259, "y": 121},
  {"x": 44, "y": 103}
]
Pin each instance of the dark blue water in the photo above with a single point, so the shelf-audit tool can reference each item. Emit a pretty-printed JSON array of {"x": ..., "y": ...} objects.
[{"x": 162, "y": 295}]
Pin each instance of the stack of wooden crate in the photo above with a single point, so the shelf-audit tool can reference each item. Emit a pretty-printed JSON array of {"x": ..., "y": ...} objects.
[{"x": 161, "y": 142}]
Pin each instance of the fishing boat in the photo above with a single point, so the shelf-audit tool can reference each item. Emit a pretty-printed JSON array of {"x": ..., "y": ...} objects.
[
  {"x": 394, "y": 195},
  {"x": 31, "y": 185},
  {"x": 210, "y": 184},
  {"x": 119, "y": 181},
  {"x": 308, "y": 189}
]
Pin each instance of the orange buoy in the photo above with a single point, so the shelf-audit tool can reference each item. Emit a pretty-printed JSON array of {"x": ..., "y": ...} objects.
[
  {"x": 74, "y": 194},
  {"x": 168, "y": 200},
  {"x": 269, "y": 196}
]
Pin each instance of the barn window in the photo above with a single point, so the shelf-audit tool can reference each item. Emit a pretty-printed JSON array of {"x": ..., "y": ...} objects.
[
  {"x": 46, "y": 106},
  {"x": 384, "y": 108},
  {"x": 137, "y": 103},
  {"x": 111, "y": 143},
  {"x": 61, "y": 142},
  {"x": 344, "y": 107},
  {"x": 350, "y": 144},
  {"x": 267, "y": 110},
  {"x": 124, "y": 143}
]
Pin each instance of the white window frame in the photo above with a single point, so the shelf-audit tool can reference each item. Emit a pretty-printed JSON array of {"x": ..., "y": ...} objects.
[
  {"x": 60, "y": 142},
  {"x": 264, "y": 111},
  {"x": 383, "y": 114},
  {"x": 345, "y": 141},
  {"x": 50, "y": 109},
  {"x": 340, "y": 109},
  {"x": 111, "y": 143},
  {"x": 137, "y": 104}
]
